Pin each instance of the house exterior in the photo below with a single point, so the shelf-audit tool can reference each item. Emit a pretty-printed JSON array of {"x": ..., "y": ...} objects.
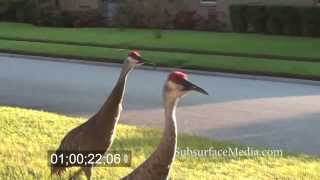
[
  {"x": 72, "y": 6},
  {"x": 80, "y": 5},
  {"x": 221, "y": 7},
  {"x": 205, "y": 7}
]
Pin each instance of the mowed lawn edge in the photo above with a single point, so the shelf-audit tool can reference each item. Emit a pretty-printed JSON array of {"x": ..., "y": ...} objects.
[
  {"x": 291, "y": 69},
  {"x": 27, "y": 136},
  {"x": 173, "y": 50},
  {"x": 231, "y": 44}
]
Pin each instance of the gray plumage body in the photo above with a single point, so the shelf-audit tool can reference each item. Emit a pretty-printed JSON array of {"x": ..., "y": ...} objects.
[
  {"x": 157, "y": 166},
  {"x": 97, "y": 133}
]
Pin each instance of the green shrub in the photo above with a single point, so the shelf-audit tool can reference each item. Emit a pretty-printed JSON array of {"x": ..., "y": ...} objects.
[
  {"x": 9, "y": 13},
  {"x": 286, "y": 20},
  {"x": 274, "y": 25},
  {"x": 3, "y": 9},
  {"x": 67, "y": 19},
  {"x": 55, "y": 19},
  {"x": 310, "y": 20},
  {"x": 147, "y": 13},
  {"x": 18, "y": 11},
  {"x": 238, "y": 19},
  {"x": 256, "y": 17},
  {"x": 290, "y": 20}
]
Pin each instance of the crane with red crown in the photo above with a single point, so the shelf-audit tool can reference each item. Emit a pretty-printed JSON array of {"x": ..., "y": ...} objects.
[
  {"x": 96, "y": 134},
  {"x": 158, "y": 165}
]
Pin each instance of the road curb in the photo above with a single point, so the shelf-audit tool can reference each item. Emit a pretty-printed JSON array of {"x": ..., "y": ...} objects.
[{"x": 167, "y": 69}]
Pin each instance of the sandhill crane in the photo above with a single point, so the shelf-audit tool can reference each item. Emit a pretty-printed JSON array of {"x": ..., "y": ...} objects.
[
  {"x": 97, "y": 133},
  {"x": 157, "y": 166}
]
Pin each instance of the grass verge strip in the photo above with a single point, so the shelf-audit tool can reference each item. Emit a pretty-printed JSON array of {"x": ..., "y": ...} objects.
[
  {"x": 231, "y": 44},
  {"x": 304, "y": 70},
  {"x": 190, "y": 51}
]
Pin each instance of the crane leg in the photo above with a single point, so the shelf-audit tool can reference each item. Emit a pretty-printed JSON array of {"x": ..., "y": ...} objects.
[
  {"x": 88, "y": 172},
  {"x": 75, "y": 175}
]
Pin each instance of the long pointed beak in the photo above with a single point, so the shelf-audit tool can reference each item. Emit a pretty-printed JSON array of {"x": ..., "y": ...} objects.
[
  {"x": 147, "y": 62},
  {"x": 141, "y": 61},
  {"x": 192, "y": 87}
]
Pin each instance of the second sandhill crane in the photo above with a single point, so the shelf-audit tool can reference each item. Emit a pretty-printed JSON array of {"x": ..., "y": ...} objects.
[
  {"x": 97, "y": 133},
  {"x": 157, "y": 166}
]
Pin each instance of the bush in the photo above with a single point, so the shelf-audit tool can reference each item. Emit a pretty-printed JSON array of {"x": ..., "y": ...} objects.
[
  {"x": 274, "y": 24},
  {"x": 310, "y": 20},
  {"x": 89, "y": 21},
  {"x": 256, "y": 17},
  {"x": 290, "y": 20},
  {"x": 146, "y": 13},
  {"x": 67, "y": 19},
  {"x": 215, "y": 21},
  {"x": 185, "y": 19},
  {"x": 54, "y": 19},
  {"x": 212, "y": 23},
  {"x": 9, "y": 13},
  {"x": 238, "y": 19},
  {"x": 46, "y": 19},
  {"x": 18, "y": 11},
  {"x": 122, "y": 18},
  {"x": 286, "y": 20},
  {"x": 25, "y": 11}
]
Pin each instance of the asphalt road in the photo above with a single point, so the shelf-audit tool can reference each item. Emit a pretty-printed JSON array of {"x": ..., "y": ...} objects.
[{"x": 273, "y": 114}]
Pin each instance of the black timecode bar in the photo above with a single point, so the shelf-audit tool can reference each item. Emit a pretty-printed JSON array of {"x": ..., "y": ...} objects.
[{"x": 89, "y": 158}]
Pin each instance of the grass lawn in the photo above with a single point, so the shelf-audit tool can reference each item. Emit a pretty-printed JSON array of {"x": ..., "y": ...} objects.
[
  {"x": 27, "y": 135},
  {"x": 188, "y": 40},
  {"x": 179, "y": 60},
  {"x": 206, "y": 41}
]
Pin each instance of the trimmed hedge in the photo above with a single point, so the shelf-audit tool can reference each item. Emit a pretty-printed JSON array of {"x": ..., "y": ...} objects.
[
  {"x": 290, "y": 19},
  {"x": 256, "y": 17},
  {"x": 310, "y": 20},
  {"x": 18, "y": 11},
  {"x": 238, "y": 18},
  {"x": 286, "y": 20}
]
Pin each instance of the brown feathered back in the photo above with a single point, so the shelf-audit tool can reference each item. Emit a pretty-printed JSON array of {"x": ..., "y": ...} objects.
[{"x": 97, "y": 133}]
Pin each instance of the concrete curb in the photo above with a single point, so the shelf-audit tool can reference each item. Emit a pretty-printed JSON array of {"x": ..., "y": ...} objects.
[{"x": 165, "y": 69}]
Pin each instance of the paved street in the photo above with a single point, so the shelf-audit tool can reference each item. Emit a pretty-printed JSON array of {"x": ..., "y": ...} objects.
[{"x": 274, "y": 114}]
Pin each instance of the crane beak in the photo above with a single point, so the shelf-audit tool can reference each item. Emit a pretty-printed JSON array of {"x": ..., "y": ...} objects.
[
  {"x": 140, "y": 61},
  {"x": 189, "y": 86},
  {"x": 148, "y": 62}
]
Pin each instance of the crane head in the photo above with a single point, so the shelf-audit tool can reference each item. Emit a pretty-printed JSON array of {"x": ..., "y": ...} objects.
[
  {"x": 135, "y": 59},
  {"x": 178, "y": 84}
]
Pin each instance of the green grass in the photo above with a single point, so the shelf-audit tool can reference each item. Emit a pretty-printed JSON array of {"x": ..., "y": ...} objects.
[
  {"x": 27, "y": 135},
  {"x": 205, "y": 41},
  {"x": 182, "y": 60}
]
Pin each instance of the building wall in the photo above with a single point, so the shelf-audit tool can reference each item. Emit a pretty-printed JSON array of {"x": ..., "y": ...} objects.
[
  {"x": 49, "y": 5},
  {"x": 205, "y": 9},
  {"x": 80, "y": 5}
]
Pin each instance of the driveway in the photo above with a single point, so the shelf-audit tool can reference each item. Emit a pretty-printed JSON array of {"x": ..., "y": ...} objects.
[{"x": 268, "y": 113}]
